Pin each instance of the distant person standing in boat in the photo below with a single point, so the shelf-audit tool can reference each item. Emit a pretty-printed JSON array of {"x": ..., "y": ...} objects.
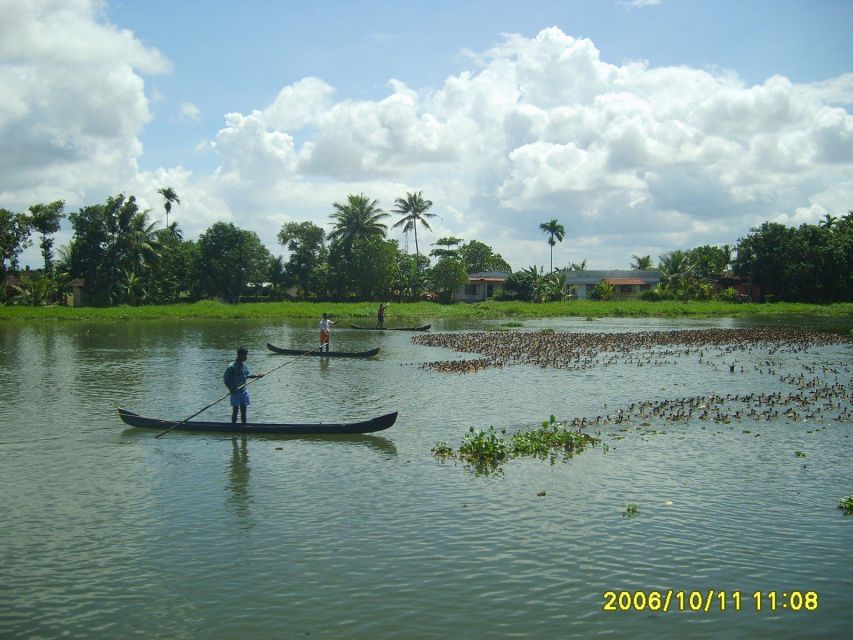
[
  {"x": 380, "y": 315},
  {"x": 235, "y": 378},
  {"x": 325, "y": 332}
]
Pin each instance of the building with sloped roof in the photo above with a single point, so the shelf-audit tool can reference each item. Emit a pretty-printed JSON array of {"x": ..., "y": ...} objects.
[{"x": 628, "y": 283}]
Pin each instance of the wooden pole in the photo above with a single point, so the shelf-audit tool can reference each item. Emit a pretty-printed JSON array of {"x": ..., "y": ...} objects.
[{"x": 242, "y": 386}]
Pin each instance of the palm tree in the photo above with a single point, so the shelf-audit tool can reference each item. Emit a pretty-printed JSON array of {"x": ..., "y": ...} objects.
[
  {"x": 578, "y": 266},
  {"x": 358, "y": 219},
  {"x": 554, "y": 230},
  {"x": 169, "y": 196},
  {"x": 414, "y": 209},
  {"x": 828, "y": 221},
  {"x": 677, "y": 271},
  {"x": 642, "y": 263}
]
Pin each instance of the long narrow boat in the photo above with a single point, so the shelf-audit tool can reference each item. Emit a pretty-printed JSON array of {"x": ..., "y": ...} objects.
[
  {"x": 423, "y": 328},
  {"x": 365, "y": 426},
  {"x": 326, "y": 354}
]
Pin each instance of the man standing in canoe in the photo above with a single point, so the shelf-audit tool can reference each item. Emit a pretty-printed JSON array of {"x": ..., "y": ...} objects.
[
  {"x": 325, "y": 332},
  {"x": 380, "y": 315},
  {"x": 235, "y": 378}
]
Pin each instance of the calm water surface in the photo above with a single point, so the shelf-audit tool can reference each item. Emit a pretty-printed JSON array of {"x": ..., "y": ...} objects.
[{"x": 110, "y": 533}]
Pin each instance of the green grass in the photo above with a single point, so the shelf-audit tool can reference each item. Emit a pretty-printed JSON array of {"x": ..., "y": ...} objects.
[{"x": 428, "y": 310}]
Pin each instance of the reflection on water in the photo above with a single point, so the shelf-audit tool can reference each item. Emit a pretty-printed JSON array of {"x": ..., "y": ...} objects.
[
  {"x": 238, "y": 474},
  {"x": 112, "y": 533}
]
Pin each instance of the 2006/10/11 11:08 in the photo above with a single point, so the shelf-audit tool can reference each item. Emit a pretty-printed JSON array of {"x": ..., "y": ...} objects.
[{"x": 712, "y": 599}]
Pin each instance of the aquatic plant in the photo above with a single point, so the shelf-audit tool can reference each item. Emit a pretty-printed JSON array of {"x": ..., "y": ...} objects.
[
  {"x": 846, "y": 503},
  {"x": 631, "y": 510},
  {"x": 443, "y": 450},
  {"x": 483, "y": 447},
  {"x": 800, "y": 454},
  {"x": 486, "y": 450},
  {"x": 550, "y": 436}
]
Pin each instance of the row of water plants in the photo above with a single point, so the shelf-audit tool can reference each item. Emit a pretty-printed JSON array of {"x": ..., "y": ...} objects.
[{"x": 486, "y": 450}]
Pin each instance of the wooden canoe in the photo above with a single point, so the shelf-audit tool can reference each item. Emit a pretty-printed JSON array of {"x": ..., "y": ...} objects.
[
  {"x": 326, "y": 354},
  {"x": 365, "y": 426},
  {"x": 423, "y": 328}
]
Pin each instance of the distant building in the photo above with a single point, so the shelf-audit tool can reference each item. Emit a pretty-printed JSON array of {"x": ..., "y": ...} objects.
[
  {"x": 481, "y": 285},
  {"x": 742, "y": 285},
  {"x": 627, "y": 283}
]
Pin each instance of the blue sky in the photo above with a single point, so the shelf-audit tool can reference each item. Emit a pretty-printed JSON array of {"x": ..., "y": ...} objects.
[{"x": 641, "y": 126}]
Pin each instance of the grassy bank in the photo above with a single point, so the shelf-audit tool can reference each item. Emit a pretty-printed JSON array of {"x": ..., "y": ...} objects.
[{"x": 427, "y": 310}]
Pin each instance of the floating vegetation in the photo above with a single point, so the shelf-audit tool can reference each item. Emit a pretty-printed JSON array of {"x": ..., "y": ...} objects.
[
  {"x": 549, "y": 439},
  {"x": 846, "y": 503},
  {"x": 800, "y": 454},
  {"x": 442, "y": 450},
  {"x": 486, "y": 450},
  {"x": 631, "y": 510}
]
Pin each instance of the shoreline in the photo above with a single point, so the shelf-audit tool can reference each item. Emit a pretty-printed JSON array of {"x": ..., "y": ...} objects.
[{"x": 430, "y": 310}]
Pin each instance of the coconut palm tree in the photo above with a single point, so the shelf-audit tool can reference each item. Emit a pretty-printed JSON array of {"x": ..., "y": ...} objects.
[
  {"x": 828, "y": 221},
  {"x": 677, "y": 272},
  {"x": 578, "y": 266},
  {"x": 169, "y": 196},
  {"x": 414, "y": 209},
  {"x": 358, "y": 219},
  {"x": 641, "y": 263},
  {"x": 554, "y": 230}
]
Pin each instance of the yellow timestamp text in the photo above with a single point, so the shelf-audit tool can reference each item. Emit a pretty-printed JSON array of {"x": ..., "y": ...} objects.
[{"x": 709, "y": 600}]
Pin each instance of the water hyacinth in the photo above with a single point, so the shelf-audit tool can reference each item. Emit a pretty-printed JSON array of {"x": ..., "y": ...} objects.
[
  {"x": 846, "y": 503},
  {"x": 486, "y": 450}
]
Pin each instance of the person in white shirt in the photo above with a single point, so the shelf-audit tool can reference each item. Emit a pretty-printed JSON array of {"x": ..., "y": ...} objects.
[{"x": 325, "y": 332}]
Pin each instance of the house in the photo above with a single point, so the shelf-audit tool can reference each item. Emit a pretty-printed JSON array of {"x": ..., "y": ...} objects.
[
  {"x": 627, "y": 283},
  {"x": 481, "y": 285},
  {"x": 742, "y": 285}
]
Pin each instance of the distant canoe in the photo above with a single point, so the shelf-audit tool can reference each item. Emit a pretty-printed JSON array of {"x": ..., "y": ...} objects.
[
  {"x": 365, "y": 426},
  {"x": 423, "y": 328},
  {"x": 326, "y": 354}
]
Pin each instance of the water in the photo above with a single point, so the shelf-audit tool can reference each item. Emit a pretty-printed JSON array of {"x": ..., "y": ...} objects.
[{"x": 110, "y": 533}]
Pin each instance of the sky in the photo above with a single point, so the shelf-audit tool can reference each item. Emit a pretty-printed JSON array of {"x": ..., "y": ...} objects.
[{"x": 642, "y": 126}]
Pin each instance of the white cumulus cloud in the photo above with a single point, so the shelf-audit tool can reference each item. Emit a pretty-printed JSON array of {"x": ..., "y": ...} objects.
[{"x": 631, "y": 159}]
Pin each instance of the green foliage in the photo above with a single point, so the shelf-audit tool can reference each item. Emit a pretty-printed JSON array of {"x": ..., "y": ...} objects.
[
  {"x": 555, "y": 232},
  {"x": 548, "y": 438},
  {"x": 603, "y": 291},
  {"x": 840, "y": 312},
  {"x": 631, "y": 510},
  {"x": 846, "y": 503},
  {"x": 229, "y": 259},
  {"x": 710, "y": 261},
  {"x": 478, "y": 256},
  {"x": 169, "y": 197},
  {"x": 485, "y": 450},
  {"x": 45, "y": 219},
  {"x": 110, "y": 240},
  {"x": 447, "y": 275},
  {"x": 811, "y": 263},
  {"x": 642, "y": 263},
  {"x": 443, "y": 450},
  {"x": 306, "y": 268},
  {"x": 414, "y": 209},
  {"x": 800, "y": 454},
  {"x": 14, "y": 238},
  {"x": 358, "y": 219}
]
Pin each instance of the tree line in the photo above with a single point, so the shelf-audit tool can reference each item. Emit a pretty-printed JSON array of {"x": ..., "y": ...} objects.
[{"x": 122, "y": 256}]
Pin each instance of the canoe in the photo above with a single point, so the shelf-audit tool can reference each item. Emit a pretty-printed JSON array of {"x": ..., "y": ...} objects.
[
  {"x": 326, "y": 354},
  {"x": 423, "y": 328},
  {"x": 365, "y": 426}
]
